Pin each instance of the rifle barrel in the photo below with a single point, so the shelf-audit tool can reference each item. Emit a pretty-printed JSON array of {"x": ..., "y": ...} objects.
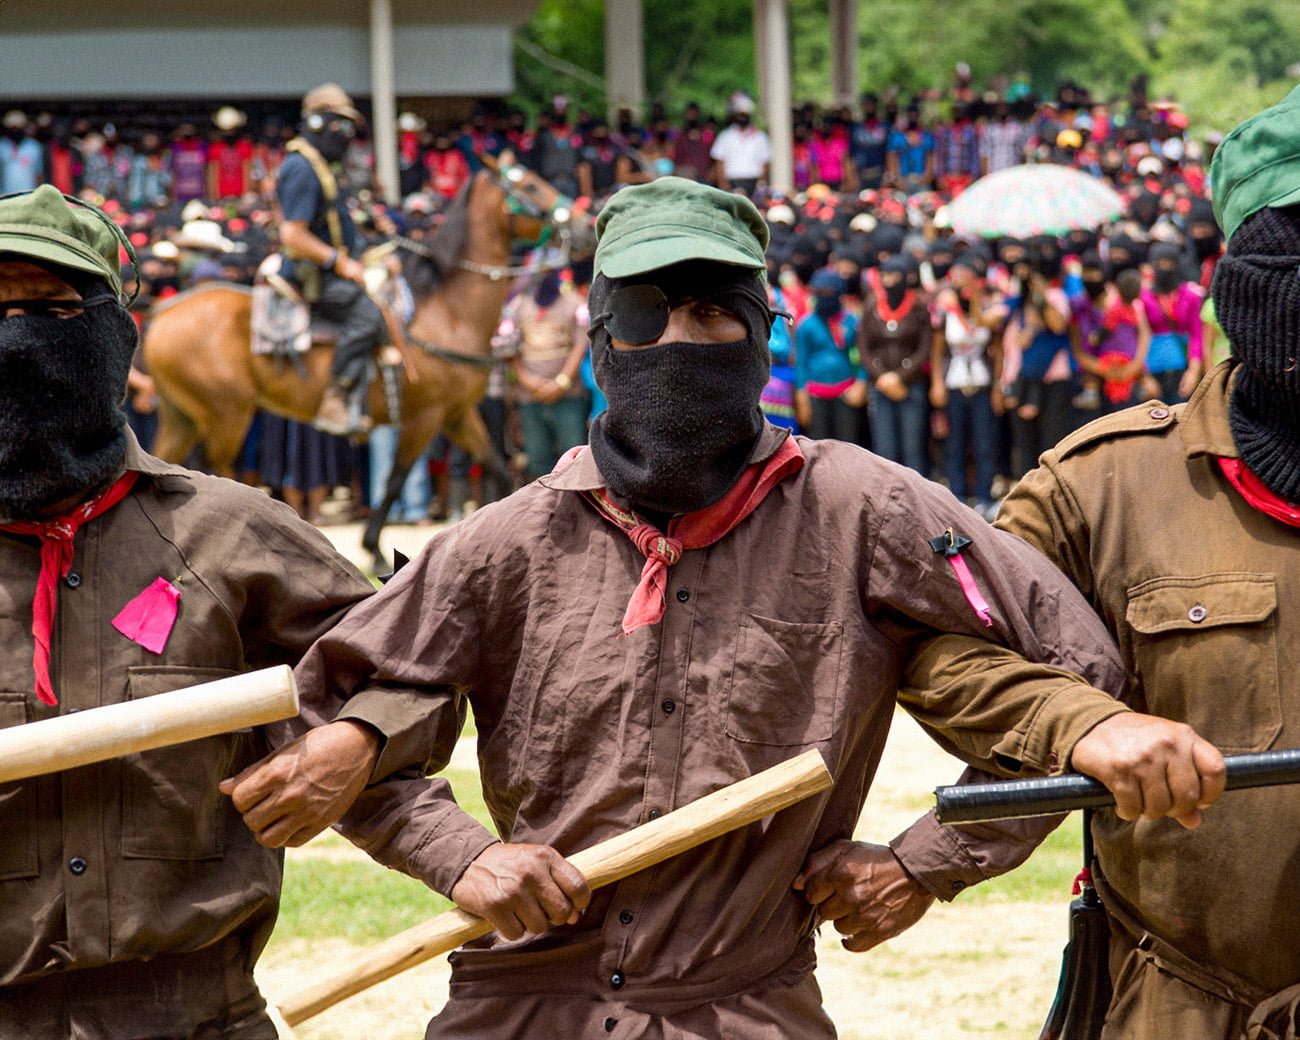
[{"x": 1045, "y": 796}]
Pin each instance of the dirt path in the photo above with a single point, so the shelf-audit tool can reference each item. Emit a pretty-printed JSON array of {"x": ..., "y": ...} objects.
[{"x": 967, "y": 970}]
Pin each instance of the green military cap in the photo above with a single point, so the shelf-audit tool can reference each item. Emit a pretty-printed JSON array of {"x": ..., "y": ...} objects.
[
  {"x": 44, "y": 227},
  {"x": 671, "y": 220},
  {"x": 1258, "y": 164}
]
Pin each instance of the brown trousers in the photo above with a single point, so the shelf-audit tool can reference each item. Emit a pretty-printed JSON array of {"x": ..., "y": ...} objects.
[
  {"x": 205, "y": 995},
  {"x": 1159, "y": 994}
]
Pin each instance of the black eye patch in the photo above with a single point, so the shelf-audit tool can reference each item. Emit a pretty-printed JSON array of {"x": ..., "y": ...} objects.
[{"x": 637, "y": 314}]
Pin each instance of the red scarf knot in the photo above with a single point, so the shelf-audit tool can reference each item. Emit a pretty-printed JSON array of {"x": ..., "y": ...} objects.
[
  {"x": 656, "y": 546},
  {"x": 689, "y": 531},
  {"x": 57, "y": 549}
]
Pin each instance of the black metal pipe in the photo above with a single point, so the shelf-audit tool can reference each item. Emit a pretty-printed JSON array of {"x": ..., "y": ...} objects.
[{"x": 1044, "y": 796}]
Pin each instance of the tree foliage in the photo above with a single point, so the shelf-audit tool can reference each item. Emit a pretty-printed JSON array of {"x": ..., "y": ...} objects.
[{"x": 1222, "y": 58}]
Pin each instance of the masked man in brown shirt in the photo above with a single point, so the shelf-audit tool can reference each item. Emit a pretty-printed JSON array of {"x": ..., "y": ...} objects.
[
  {"x": 687, "y": 599},
  {"x": 1179, "y": 525},
  {"x": 133, "y": 900}
]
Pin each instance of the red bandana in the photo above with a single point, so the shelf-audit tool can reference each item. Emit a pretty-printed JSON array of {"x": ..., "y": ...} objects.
[
  {"x": 57, "y": 537},
  {"x": 689, "y": 531},
  {"x": 1254, "y": 491}
]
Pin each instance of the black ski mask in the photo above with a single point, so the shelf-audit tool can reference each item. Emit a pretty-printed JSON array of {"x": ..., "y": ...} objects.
[
  {"x": 902, "y": 267},
  {"x": 62, "y": 383},
  {"x": 1166, "y": 263},
  {"x": 333, "y": 138},
  {"x": 1257, "y": 301},
  {"x": 682, "y": 417}
]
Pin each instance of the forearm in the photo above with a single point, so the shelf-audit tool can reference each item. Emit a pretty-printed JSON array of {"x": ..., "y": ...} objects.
[
  {"x": 297, "y": 239},
  {"x": 949, "y": 860},
  {"x": 414, "y": 825}
]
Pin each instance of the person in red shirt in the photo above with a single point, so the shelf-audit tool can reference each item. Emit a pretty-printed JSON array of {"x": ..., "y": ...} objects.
[
  {"x": 230, "y": 156},
  {"x": 448, "y": 168}
]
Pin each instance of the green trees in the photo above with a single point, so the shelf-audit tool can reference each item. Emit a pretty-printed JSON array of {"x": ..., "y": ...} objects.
[{"x": 1222, "y": 58}]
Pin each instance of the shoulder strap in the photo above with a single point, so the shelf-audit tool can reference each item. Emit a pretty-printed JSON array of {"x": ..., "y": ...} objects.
[{"x": 329, "y": 186}]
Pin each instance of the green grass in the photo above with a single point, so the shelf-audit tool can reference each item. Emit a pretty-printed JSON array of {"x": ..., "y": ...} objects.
[{"x": 328, "y": 894}]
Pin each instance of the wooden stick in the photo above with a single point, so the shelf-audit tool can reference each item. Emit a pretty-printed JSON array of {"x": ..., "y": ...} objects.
[
  {"x": 68, "y": 741},
  {"x": 734, "y": 806}
]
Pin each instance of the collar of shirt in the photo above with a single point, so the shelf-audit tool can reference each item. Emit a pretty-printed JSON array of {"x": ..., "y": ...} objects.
[{"x": 1203, "y": 421}]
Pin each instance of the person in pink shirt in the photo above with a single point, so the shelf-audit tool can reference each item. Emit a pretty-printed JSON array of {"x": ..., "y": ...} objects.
[
  {"x": 830, "y": 153},
  {"x": 1173, "y": 310}
]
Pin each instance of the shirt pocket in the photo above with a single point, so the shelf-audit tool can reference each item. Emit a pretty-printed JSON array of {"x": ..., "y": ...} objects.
[
  {"x": 18, "y": 850},
  {"x": 171, "y": 808},
  {"x": 784, "y": 682},
  {"x": 1206, "y": 654}
]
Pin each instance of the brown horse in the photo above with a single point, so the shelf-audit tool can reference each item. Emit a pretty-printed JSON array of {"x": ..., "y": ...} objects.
[{"x": 197, "y": 346}]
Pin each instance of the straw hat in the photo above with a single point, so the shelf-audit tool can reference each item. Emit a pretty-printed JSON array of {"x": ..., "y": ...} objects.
[
  {"x": 228, "y": 118},
  {"x": 204, "y": 236}
]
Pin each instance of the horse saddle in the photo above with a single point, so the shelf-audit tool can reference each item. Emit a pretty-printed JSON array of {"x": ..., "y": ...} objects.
[{"x": 282, "y": 321}]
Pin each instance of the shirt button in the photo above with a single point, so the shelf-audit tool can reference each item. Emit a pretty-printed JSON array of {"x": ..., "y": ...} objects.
[
  {"x": 616, "y": 980},
  {"x": 1197, "y": 614},
  {"x": 625, "y": 916},
  {"x": 654, "y": 814},
  {"x": 683, "y": 595},
  {"x": 957, "y": 886},
  {"x": 1159, "y": 413},
  {"x": 77, "y": 865},
  {"x": 73, "y": 580},
  {"x": 610, "y": 1023},
  {"x": 669, "y": 707}
]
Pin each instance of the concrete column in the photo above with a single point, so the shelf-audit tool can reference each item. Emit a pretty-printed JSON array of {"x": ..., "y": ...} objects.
[
  {"x": 624, "y": 57},
  {"x": 844, "y": 51},
  {"x": 775, "y": 34},
  {"x": 383, "y": 100}
]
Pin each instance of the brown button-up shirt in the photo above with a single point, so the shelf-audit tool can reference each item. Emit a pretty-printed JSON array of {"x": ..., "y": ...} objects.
[
  {"x": 119, "y": 864},
  {"x": 1200, "y": 590},
  {"x": 795, "y": 630}
]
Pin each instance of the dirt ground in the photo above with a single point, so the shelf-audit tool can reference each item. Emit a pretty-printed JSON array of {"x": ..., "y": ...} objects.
[{"x": 967, "y": 970}]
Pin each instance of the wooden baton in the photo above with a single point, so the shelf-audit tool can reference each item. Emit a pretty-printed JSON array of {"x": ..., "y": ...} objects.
[
  {"x": 97, "y": 734},
  {"x": 706, "y": 818}
]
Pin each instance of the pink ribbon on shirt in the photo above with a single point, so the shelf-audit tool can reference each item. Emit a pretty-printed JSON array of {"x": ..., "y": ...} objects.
[{"x": 950, "y": 543}]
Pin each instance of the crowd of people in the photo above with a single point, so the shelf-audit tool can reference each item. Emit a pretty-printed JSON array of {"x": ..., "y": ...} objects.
[
  {"x": 961, "y": 357},
  {"x": 668, "y": 612}
]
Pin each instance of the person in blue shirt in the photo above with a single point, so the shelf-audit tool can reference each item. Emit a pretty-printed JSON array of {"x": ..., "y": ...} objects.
[
  {"x": 319, "y": 238},
  {"x": 830, "y": 384}
]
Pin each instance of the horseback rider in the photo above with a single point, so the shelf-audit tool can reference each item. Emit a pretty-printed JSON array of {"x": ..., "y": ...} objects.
[{"x": 318, "y": 239}]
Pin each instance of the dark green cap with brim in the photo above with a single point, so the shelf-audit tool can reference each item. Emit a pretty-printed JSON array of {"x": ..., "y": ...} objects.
[
  {"x": 672, "y": 220},
  {"x": 43, "y": 227},
  {"x": 1258, "y": 165}
]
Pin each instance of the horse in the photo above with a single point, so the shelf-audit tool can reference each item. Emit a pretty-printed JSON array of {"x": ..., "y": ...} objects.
[{"x": 209, "y": 383}]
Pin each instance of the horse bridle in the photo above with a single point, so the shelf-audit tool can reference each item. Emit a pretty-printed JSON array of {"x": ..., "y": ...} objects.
[{"x": 556, "y": 218}]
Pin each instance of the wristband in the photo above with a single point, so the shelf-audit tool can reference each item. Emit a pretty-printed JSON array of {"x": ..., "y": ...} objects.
[{"x": 331, "y": 260}]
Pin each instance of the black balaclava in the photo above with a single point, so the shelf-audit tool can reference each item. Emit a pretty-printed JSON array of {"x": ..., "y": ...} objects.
[
  {"x": 904, "y": 268},
  {"x": 1203, "y": 234},
  {"x": 547, "y": 290},
  {"x": 62, "y": 383},
  {"x": 941, "y": 257},
  {"x": 682, "y": 417},
  {"x": 828, "y": 289},
  {"x": 1257, "y": 301},
  {"x": 1166, "y": 262},
  {"x": 1045, "y": 254},
  {"x": 1093, "y": 275},
  {"x": 332, "y": 144},
  {"x": 1081, "y": 240},
  {"x": 1123, "y": 252}
]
